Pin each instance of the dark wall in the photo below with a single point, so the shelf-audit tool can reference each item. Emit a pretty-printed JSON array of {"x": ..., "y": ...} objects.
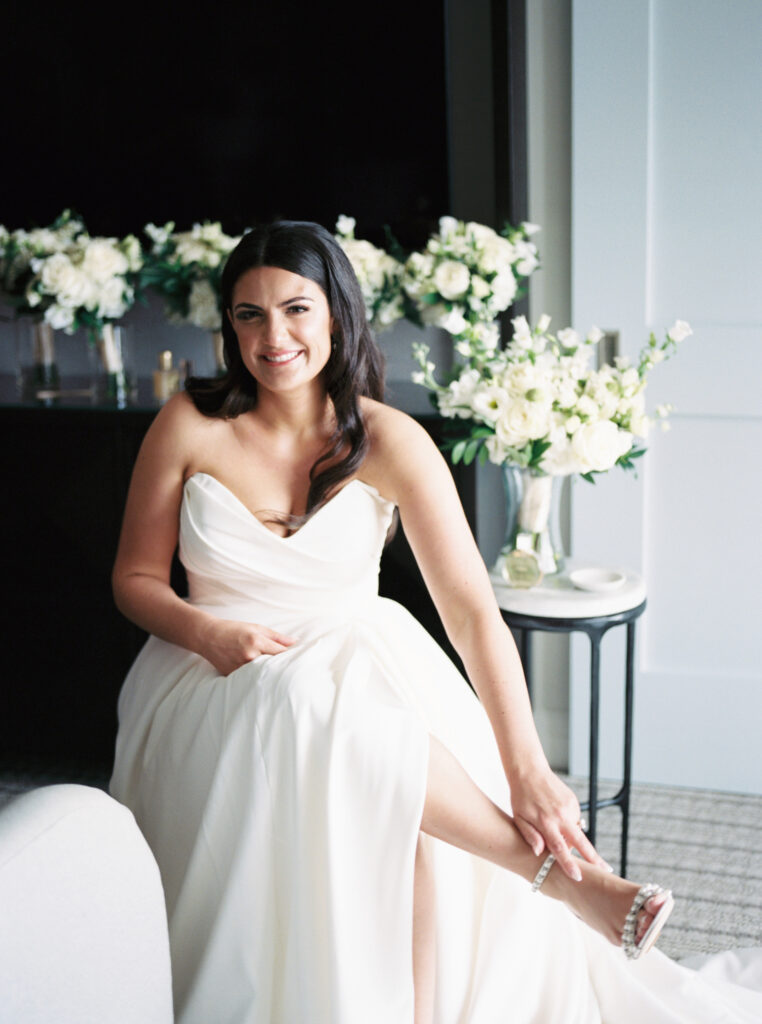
[{"x": 233, "y": 112}]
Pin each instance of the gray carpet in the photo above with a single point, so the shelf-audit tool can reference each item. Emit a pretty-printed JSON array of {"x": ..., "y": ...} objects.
[{"x": 705, "y": 846}]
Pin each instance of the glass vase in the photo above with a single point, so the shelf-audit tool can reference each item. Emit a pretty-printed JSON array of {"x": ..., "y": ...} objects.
[
  {"x": 37, "y": 374},
  {"x": 532, "y": 547},
  {"x": 117, "y": 381}
]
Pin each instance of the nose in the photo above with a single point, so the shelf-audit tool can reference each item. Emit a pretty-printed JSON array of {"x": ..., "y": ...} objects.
[{"x": 275, "y": 325}]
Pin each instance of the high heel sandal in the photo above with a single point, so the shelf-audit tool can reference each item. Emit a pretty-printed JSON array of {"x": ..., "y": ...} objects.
[{"x": 632, "y": 949}]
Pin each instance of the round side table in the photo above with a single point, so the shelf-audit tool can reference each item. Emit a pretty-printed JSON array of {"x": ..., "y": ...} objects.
[{"x": 557, "y": 606}]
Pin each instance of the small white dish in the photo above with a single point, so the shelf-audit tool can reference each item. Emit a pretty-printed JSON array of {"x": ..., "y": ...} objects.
[{"x": 597, "y": 580}]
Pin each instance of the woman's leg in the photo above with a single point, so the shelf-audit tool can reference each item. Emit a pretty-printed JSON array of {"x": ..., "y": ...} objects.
[
  {"x": 424, "y": 933},
  {"x": 458, "y": 812}
]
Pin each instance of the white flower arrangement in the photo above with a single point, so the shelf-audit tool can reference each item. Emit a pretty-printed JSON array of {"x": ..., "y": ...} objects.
[
  {"x": 538, "y": 404},
  {"x": 466, "y": 275},
  {"x": 379, "y": 275},
  {"x": 69, "y": 279},
  {"x": 17, "y": 250},
  {"x": 185, "y": 267}
]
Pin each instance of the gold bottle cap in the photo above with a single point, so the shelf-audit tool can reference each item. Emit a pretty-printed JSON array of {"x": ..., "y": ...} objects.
[{"x": 165, "y": 360}]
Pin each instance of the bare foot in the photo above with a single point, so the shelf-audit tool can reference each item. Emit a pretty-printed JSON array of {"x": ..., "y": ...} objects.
[{"x": 602, "y": 900}]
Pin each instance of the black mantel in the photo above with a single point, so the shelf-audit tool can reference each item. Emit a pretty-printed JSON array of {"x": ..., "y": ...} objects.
[{"x": 66, "y": 470}]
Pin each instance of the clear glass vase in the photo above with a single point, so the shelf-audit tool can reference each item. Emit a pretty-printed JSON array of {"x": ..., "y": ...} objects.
[
  {"x": 532, "y": 547},
  {"x": 117, "y": 381},
  {"x": 37, "y": 372}
]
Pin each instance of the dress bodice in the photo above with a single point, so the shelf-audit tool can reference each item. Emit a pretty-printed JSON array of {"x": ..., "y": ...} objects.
[{"x": 233, "y": 561}]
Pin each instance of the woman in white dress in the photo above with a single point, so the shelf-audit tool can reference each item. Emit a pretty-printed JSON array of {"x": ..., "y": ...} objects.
[{"x": 345, "y": 832}]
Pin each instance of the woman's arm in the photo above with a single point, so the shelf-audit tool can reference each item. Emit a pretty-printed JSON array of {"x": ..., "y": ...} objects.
[
  {"x": 410, "y": 471},
  {"x": 141, "y": 574}
]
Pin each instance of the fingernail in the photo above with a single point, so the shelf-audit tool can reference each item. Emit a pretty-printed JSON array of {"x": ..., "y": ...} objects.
[
  {"x": 538, "y": 848},
  {"x": 608, "y": 867},
  {"x": 577, "y": 876}
]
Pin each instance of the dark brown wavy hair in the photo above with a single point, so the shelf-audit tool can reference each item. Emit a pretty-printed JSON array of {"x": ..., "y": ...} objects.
[{"x": 355, "y": 367}]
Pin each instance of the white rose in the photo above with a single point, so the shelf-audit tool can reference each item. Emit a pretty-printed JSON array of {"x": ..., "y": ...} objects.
[
  {"x": 102, "y": 260},
  {"x": 60, "y": 318},
  {"x": 496, "y": 253},
  {"x": 202, "y": 306},
  {"x": 479, "y": 287},
  {"x": 543, "y": 323},
  {"x": 594, "y": 335},
  {"x": 527, "y": 420},
  {"x": 504, "y": 289},
  {"x": 599, "y": 445},
  {"x": 114, "y": 299},
  {"x": 529, "y": 228},
  {"x": 67, "y": 283},
  {"x": 453, "y": 322},
  {"x": 452, "y": 279},
  {"x": 480, "y": 233},
  {"x": 561, "y": 459},
  {"x": 679, "y": 331}
]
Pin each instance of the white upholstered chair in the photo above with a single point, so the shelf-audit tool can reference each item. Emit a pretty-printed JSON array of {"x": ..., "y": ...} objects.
[{"x": 83, "y": 928}]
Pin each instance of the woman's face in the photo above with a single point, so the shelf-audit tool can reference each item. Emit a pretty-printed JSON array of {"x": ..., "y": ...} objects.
[{"x": 283, "y": 325}]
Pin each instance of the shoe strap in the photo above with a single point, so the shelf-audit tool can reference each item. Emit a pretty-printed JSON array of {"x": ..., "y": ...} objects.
[{"x": 631, "y": 949}]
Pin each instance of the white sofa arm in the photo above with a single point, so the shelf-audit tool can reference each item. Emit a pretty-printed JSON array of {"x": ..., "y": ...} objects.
[{"x": 83, "y": 927}]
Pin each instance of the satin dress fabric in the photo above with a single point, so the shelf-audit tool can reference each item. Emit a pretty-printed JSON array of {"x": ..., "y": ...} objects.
[{"x": 283, "y": 805}]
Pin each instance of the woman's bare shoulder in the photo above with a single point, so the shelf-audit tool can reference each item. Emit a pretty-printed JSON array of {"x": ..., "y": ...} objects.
[
  {"x": 401, "y": 452},
  {"x": 179, "y": 431},
  {"x": 386, "y": 424}
]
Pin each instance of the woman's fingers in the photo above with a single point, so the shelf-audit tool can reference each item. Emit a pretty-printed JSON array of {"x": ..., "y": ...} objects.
[
  {"x": 531, "y": 836},
  {"x": 585, "y": 848}
]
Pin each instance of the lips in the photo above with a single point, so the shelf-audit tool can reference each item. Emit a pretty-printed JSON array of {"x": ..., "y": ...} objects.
[{"x": 281, "y": 358}]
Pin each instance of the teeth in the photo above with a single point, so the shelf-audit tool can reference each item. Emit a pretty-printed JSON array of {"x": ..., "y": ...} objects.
[{"x": 282, "y": 359}]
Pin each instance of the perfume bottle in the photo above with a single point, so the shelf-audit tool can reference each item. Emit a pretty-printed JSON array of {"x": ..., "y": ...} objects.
[{"x": 166, "y": 380}]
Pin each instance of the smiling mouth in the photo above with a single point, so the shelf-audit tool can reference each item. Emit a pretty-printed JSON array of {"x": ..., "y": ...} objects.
[{"x": 279, "y": 360}]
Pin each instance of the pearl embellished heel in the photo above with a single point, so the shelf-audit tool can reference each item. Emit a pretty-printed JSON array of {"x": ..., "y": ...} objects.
[{"x": 632, "y": 949}]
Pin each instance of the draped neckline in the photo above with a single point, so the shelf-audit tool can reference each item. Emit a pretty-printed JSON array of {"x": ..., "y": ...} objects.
[{"x": 369, "y": 488}]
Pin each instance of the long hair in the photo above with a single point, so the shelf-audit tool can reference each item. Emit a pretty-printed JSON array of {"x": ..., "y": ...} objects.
[{"x": 355, "y": 366}]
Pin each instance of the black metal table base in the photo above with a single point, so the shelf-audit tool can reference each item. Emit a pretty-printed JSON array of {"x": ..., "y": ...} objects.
[{"x": 595, "y": 628}]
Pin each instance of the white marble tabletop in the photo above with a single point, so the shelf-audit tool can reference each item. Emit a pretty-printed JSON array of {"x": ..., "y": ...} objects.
[{"x": 557, "y": 597}]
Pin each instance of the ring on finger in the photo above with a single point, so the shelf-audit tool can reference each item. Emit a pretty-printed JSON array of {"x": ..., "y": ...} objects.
[{"x": 582, "y": 823}]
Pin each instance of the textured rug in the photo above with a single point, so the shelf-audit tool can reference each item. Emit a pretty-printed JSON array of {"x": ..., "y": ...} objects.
[{"x": 705, "y": 846}]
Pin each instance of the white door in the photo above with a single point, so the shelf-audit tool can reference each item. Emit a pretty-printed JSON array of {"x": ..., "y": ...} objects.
[{"x": 667, "y": 224}]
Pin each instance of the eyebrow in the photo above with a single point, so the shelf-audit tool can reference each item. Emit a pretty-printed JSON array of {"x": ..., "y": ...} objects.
[{"x": 286, "y": 302}]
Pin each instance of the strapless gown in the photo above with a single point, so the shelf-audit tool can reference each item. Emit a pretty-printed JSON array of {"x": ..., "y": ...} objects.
[{"x": 283, "y": 804}]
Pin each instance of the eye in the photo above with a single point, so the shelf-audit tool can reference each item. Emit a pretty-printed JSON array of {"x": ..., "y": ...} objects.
[
  {"x": 247, "y": 314},
  {"x": 297, "y": 308}
]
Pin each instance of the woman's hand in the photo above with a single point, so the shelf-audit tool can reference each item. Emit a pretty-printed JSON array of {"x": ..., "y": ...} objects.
[
  {"x": 228, "y": 645},
  {"x": 547, "y": 814}
]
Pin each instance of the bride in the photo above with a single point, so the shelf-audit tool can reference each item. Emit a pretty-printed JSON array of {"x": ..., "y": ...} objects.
[{"x": 346, "y": 832}]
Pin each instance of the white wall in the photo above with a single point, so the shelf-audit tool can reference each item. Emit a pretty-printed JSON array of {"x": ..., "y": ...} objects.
[{"x": 666, "y": 211}]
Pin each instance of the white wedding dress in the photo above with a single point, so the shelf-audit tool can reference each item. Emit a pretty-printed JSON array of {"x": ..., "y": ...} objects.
[{"x": 283, "y": 804}]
